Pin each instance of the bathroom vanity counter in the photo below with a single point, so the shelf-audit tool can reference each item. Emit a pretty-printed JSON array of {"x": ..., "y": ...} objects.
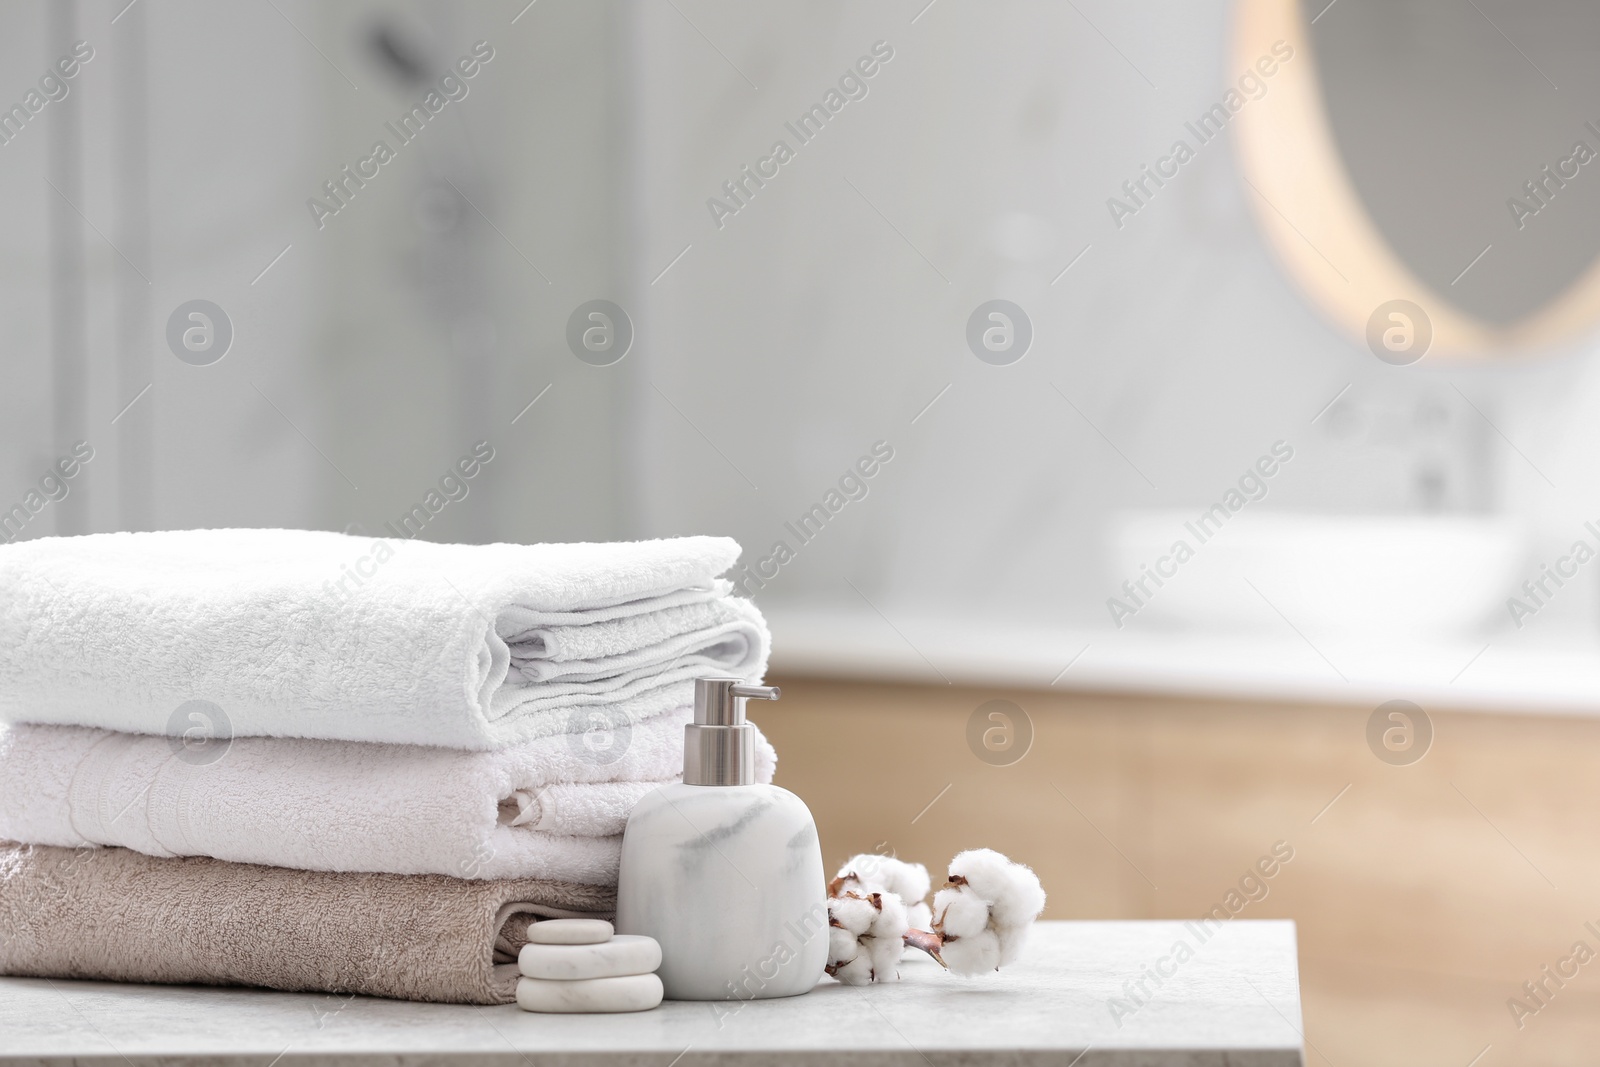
[
  {"x": 1556, "y": 674},
  {"x": 1233, "y": 997}
]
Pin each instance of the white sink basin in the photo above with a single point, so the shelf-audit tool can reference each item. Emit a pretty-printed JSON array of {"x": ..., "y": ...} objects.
[{"x": 1418, "y": 577}]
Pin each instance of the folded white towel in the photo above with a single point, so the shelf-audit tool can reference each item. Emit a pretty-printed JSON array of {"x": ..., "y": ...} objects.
[
  {"x": 297, "y": 633},
  {"x": 544, "y": 809}
]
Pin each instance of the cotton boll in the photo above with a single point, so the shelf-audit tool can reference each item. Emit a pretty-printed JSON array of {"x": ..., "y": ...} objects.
[
  {"x": 958, "y": 912},
  {"x": 846, "y": 961},
  {"x": 985, "y": 913},
  {"x": 1013, "y": 939},
  {"x": 865, "y": 937},
  {"x": 908, "y": 881},
  {"x": 963, "y": 920},
  {"x": 885, "y": 941},
  {"x": 983, "y": 867},
  {"x": 978, "y": 954},
  {"x": 852, "y": 912},
  {"x": 973, "y": 955},
  {"x": 855, "y": 971},
  {"x": 848, "y": 918},
  {"x": 868, "y": 873},
  {"x": 1012, "y": 889}
]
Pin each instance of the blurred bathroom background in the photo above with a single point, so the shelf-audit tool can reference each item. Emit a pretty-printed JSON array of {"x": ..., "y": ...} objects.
[{"x": 782, "y": 335}]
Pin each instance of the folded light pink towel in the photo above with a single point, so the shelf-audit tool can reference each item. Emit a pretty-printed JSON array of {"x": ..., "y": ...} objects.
[
  {"x": 552, "y": 808},
  {"x": 114, "y": 915},
  {"x": 300, "y": 633}
]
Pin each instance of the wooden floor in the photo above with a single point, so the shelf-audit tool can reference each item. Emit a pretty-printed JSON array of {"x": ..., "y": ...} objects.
[{"x": 1426, "y": 894}]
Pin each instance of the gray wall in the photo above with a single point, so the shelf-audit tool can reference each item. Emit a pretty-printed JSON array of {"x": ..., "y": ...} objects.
[
  {"x": 822, "y": 317},
  {"x": 379, "y": 347}
]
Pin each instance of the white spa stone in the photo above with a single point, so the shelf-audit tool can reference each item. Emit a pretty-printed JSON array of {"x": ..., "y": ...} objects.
[
  {"x": 634, "y": 992},
  {"x": 570, "y": 932},
  {"x": 623, "y": 955}
]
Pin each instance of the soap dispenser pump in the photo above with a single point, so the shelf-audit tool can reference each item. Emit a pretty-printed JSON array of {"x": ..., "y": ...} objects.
[{"x": 724, "y": 873}]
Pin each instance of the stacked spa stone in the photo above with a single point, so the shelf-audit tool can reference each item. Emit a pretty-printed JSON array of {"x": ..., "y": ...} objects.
[{"x": 583, "y": 965}]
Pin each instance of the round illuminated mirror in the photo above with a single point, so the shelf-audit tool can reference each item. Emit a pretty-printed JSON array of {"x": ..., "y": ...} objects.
[{"x": 1429, "y": 170}]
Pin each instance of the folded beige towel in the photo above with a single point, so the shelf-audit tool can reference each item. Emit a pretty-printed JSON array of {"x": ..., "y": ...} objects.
[{"x": 121, "y": 916}]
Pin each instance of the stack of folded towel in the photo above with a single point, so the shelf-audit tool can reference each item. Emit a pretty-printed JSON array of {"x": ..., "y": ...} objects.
[{"x": 382, "y": 758}]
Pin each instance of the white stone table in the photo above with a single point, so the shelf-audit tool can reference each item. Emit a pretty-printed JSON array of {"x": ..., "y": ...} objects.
[{"x": 1234, "y": 1001}]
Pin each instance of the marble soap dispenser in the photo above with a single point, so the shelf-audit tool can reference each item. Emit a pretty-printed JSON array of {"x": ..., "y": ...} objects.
[{"x": 725, "y": 874}]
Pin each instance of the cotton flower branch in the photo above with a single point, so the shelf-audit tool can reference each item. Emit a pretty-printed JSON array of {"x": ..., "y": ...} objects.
[{"x": 979, "y": 920}]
